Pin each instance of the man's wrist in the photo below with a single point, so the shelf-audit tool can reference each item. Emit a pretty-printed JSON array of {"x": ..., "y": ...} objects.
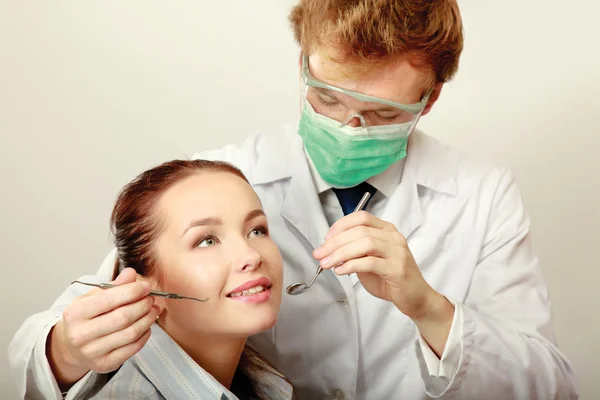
[
  {"x": 438, "y": 310},
  {"x": 65, "y": 369},
  {"x": 435, "y": 323}
]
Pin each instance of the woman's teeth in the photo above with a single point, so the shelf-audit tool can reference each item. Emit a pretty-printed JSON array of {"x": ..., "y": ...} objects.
[{"x": 248, "y": 292}]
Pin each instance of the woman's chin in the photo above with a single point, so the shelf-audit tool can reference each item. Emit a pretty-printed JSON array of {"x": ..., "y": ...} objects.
[{"x": 252, "y": 326}]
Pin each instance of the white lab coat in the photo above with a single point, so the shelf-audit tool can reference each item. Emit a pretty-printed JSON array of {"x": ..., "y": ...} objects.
[{"x": 469, "y": 233}]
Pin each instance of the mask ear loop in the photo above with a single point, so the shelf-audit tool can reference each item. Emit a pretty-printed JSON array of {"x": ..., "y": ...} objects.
[
  {"x": 415, "y": 121},
  {"x": 303, "y": 93}
]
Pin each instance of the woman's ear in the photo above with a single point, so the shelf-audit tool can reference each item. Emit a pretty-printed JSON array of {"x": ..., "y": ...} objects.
[{"x": 159, "y": 302}]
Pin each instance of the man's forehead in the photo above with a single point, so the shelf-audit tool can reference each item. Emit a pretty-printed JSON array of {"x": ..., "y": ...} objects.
[{"x": 396, "y": 81}]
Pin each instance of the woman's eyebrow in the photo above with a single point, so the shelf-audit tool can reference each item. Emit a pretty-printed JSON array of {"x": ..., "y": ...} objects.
[
  {"x": 253, "y": 214},
  {"x": 203, "y": 222},
  {"x": 217, "y": 221}
]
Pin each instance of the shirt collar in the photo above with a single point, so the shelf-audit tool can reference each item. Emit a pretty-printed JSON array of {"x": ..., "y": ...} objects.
[{"x": 176, "y": 375}]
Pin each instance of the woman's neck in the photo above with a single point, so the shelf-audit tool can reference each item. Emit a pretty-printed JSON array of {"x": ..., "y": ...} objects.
[{"x": 216, "y": 355}]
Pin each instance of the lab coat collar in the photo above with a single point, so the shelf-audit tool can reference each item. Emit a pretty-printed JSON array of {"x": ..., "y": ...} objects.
[{"x": 431, "y": 164}]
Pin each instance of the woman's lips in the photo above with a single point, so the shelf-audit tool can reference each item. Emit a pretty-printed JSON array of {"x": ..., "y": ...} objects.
[
  {"x": 263, "y": 281},
  {"x": 254, "y": 298}
]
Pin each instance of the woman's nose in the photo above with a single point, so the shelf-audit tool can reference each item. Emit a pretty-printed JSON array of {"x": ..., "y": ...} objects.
[{"x": 248, "y": 260}]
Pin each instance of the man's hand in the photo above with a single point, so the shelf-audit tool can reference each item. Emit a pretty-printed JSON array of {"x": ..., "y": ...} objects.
[
  {"x": 374, "y": 249},
  {"x": 101, "y": 330}
]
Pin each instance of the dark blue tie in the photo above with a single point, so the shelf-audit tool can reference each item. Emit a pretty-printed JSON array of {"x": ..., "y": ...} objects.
[{"x": 350, "y": 197}]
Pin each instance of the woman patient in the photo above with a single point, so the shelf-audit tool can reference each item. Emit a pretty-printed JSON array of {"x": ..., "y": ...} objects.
[{"x": 197, "y": 228}]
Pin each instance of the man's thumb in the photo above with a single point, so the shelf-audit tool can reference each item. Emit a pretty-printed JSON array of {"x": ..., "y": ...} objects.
[{"x": 128, "y": 275}]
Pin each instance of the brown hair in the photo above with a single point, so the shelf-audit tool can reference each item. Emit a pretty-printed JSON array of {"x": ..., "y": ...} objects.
[
  {"x": 136, "y": 226},
  {"x": 429, "y": 32}
]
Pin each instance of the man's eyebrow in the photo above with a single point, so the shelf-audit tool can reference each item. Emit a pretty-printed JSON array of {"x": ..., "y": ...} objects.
[
  {"x": 333, "y": 94},
  {"x": 387, "y": 108},
  {"x": 203, "y": 222},
  {"x": 328, "y": 92}
]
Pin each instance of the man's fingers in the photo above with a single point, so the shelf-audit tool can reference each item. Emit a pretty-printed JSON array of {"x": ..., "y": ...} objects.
[
  {"x": 89, "y": 293},
  {"x": 362, "y": 247},
  {"x": 347, "y": 237},
  {"x": 115, "y": 320},
  {"x": 74, "y": 312},
  {"x": 358, "y": 218},
  {"x": 111, "y": 299},
  {"x": 128, "y": 275},
  {"x": 369, "y": 264},
  {"x": 105, "y": 346}
]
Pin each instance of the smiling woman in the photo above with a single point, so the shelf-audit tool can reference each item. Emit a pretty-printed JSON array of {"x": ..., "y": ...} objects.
[{"x": 197, "y": 227}]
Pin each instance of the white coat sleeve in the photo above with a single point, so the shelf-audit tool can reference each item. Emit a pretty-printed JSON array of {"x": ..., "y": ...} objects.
[
  {"x": 507, "y": 348},
  {"x": 27, "y": 350},
  {"x": 441, "y": 370}
]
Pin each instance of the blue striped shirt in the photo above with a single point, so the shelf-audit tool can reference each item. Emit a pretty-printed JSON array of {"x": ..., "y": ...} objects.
[{"x": 163, "y": 370}]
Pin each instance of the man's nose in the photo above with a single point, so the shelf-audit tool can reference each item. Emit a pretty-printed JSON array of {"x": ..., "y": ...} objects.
[{"x": 355, "y": 120}]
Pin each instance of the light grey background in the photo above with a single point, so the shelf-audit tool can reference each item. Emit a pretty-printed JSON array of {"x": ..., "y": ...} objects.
[{"x": 92, "y": 93}]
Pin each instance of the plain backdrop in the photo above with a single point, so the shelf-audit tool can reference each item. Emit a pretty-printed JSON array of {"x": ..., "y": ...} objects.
[{"x": 92, "y": 93}]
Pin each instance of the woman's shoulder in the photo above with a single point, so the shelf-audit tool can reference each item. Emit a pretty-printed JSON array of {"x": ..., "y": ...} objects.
[{"x": 128, "y": 383}]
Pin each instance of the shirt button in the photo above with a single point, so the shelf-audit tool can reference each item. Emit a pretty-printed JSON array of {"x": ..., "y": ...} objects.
[
  {"x": 343, "y": 301},
  {"x": 336, "y": 394}
]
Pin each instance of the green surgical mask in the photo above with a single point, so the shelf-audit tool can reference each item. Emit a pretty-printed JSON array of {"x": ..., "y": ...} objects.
[{"x": 345, "y": 156}]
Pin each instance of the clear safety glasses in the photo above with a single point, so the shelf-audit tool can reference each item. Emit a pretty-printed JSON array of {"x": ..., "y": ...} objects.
[{"x": 346, "y": 105}]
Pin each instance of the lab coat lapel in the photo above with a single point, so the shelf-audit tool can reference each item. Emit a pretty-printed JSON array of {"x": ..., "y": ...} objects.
[
  {"x": 301, "y": 205},
  {"x": 403, "y": 208},
  {"x": 302, "y": 208},
  {"x": 429, "y": 166}
]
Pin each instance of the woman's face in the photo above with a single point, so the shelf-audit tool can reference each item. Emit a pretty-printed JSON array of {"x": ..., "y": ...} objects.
[{"x": 215, "y": 244}]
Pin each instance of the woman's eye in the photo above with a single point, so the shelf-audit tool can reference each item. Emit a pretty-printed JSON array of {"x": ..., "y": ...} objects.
[
  {"x": 258, "y": 231},
  {"x": 210, "y": 241}
]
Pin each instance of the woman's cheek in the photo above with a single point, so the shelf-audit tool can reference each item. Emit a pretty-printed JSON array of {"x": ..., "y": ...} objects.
[
  {"x": 179, "y": 279},
  {"x": 275, "y": 259},
  {"x": 201, "y": 281}
]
